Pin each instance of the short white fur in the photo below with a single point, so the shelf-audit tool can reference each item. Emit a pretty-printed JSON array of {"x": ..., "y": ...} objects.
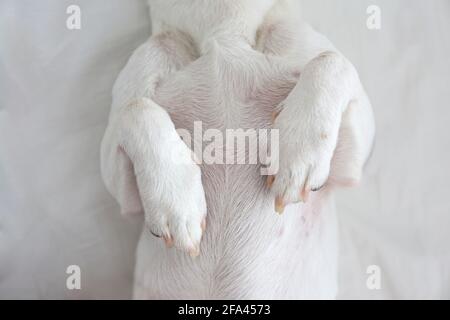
[{"x": 232, "y": 64}]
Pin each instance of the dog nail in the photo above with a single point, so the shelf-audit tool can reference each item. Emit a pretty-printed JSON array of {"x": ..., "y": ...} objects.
[
  {"x": 194, "y": 252},
  {"x": 154, "y": 234},
  {"x": 275, "y": 114},
  {"x": 169, "y": 241},
  {"x": 304, "y": 195},
  {"x": 279, "y": 205},
  {"x": 269, "y": 181},
  {"x": 203, "y": 225}
]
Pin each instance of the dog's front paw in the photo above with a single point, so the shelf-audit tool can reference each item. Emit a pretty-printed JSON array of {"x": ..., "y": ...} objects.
[
  {"x": 306, "y": 149},
  {"x": 148, "y": 168},
  {"x": 175, "y": 206}
]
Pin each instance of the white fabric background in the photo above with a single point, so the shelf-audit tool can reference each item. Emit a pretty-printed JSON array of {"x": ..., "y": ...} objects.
[{"x": 55, "y": 89}]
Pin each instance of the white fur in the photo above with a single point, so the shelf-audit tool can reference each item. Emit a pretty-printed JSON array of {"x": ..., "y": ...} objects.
[{"x": 231, "y": 64}]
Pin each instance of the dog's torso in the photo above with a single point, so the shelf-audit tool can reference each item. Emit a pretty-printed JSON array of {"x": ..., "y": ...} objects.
[{"x": 247, "y": 251}]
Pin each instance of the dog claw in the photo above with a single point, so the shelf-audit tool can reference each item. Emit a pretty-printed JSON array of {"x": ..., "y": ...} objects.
[
  {"x": 317, "y": 188},
  {"x": 203, "y": 225},
  {"x": 275, "y": 114},
  {"x": 194, "y": 252},
  {"x": 269, "y": 181},
  {"x": 169, "y": 241},
  {"x": 304, "y": 195},
  {"x": 279, "y": 205}
]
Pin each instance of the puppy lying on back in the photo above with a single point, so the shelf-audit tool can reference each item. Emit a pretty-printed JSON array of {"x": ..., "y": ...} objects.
[{"x": 228, "y": 65}]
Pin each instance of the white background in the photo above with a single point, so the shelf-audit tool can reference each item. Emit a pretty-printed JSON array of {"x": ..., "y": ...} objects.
[{"x": 55, "y": 94}]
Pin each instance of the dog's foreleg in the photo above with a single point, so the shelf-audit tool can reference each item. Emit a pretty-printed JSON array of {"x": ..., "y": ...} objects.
[
  {"x": 145, "y": 164},
  {"x": 326, "y": 123}
]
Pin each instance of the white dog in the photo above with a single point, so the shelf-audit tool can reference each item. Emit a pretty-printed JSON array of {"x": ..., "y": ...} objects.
[{"x": 235, "y": 64}]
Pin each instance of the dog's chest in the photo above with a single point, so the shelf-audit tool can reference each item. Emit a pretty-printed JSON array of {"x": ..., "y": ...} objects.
[
  {"x": 221, "y": 101},
  {"x": 226, "y": 92},
  {"x": 216, "y": 94}
]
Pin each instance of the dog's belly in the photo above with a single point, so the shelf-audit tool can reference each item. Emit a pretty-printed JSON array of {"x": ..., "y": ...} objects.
[{"x": 247, "y": 251}]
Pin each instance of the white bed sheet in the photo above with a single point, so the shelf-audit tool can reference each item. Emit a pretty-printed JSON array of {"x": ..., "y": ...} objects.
[{"x": 55, "y": 89}]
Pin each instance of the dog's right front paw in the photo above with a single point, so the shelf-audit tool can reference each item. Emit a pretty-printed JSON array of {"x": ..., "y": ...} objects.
[
  {"x": 147, "y": 167},
  {"x": 174, "y": 203}
]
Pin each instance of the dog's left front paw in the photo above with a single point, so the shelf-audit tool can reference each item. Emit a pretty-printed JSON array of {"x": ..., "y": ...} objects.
[{"x": 306, "y": 148}]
